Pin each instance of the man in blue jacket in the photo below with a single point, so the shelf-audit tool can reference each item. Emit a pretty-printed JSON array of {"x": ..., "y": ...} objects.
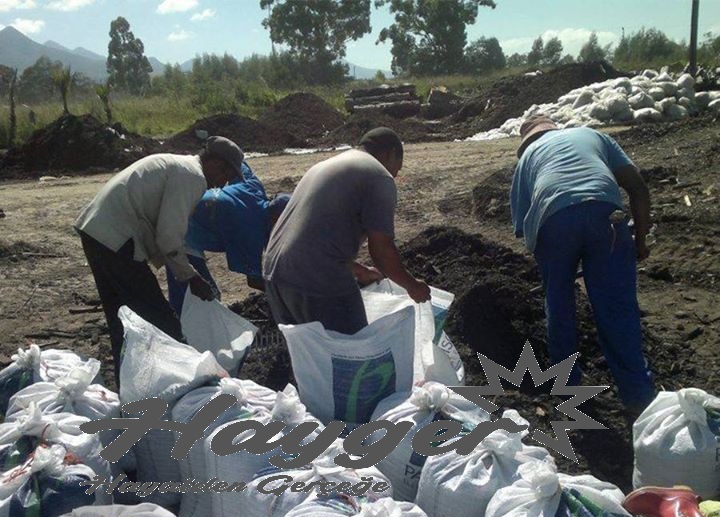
[
  {"x": 235, "y": 220},
  {"x": 566, "y": 203}
]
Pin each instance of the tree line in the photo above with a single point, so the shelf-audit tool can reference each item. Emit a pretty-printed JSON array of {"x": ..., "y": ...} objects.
[{"x": 427, "y": 38}]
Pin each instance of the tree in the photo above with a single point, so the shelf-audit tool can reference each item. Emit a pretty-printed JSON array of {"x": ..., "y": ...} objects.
[
  {"x": 552, "y": 52},
  {"x": 316, "y": 33},
  {"x": 647, "y": 47},
  {"x": 63, "y": 80},
  {"x": 535, "y": 56},
  {"x": 517, "y": 60},
  {"x": 485, "y": 55},
  {"x": 103, "y": 93},
  {"x": 429, "y": 36},
  {"x": 592, "y": 51},
  {"x": 127, "y": 65},
  {"x": 567, "y": 59},
  {"x": 13, "y": 117},
  {"x": 36, "y": 82}
]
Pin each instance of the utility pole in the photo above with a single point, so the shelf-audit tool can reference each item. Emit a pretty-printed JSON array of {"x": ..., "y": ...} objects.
[{"x": 694, "y": 36}]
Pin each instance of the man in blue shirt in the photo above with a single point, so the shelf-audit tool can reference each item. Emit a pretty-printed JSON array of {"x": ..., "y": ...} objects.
[
  {"x": 235, "y": 220},
  {"x": 566, "y": 203}
]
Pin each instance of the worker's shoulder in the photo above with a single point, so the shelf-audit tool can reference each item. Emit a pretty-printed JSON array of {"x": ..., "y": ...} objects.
[{"x": 179, "y": 162}]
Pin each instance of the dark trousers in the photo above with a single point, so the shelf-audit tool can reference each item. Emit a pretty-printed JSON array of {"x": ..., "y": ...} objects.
[
  {"x": 584, "y": 233},
  {"x": 344, "y": 314},
  {"x": 121, "y": 280}
]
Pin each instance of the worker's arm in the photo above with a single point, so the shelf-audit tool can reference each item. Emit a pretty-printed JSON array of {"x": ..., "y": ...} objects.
[
  {"x": 365, "y": 275},
  {"x": 182, "y": 192},
  {"x": 255, "y": 282},
  {"x": 629, "y": 178},
  {"x": 386, "y": 257},
  {"x": 520, "y": 198}
]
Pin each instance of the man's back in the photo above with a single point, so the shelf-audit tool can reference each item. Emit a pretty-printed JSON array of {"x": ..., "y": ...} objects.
[
  {"x": 321, "y": 230},
  {"x": 140, "y": 201},
  {"x": 560, "y": 169}
]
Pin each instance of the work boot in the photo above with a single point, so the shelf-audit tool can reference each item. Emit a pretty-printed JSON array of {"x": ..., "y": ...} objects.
[{"x": 679, "y": 501}]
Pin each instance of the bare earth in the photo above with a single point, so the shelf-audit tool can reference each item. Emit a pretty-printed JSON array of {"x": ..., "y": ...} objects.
[{"x": 43, "y": 275}]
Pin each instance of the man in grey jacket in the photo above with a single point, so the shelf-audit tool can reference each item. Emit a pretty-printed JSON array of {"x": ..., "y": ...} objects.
[{"x": 141, "y": 215}]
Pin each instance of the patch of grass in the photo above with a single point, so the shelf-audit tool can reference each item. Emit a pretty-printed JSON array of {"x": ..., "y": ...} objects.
[{"x": 161, "y": 116}]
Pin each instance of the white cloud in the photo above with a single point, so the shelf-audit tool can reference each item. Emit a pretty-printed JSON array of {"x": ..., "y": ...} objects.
[
  {"x": 180, "y": 35},
  {"x": 28, "y": 26},
  {"x": 572, "y": 40},
  {"x": 203, "y": 15},
  {"x": 9, "y": 5},
  {"x": 69, "y": 5},
  {"x": 176, "y": 6}
]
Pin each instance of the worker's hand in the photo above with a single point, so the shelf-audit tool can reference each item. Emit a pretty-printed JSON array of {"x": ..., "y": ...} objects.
[
  {"x": 419, "y": 292},
  {"x": 200, "y": 288},
  {"x": 367, "y": 275},
  {"x": 642, "y": 250}
]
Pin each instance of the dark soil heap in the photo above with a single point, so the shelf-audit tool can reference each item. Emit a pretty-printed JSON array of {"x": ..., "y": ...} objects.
[
  {"x": 410, "y": 129},
  {"x": 304, "y": 115},
  {"x": 249, "y": 134},
  {"x": 79, "y": 144},
  {"x": 511, "y": 96}
]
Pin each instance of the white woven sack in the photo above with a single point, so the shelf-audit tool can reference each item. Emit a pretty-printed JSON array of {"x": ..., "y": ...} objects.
[
  {"x": 242, "y": 466},
  {"x": 155, "y": 365},
  {"x": 257, "y": 504},
  {"x": 425, "y": 404},
  {"x": 61, "y": 429},
  {"x": 248, "y": 394},
  {"x": 542, "y": 492},
  {"x": 49, "y": 462},
  {"x": 452, "y": 485},
  {"x": 432, "y": 362},
  {"x": 72, "y": 393},
  {"x": 676, "y": 442},
  {"x": 349, "y": 506},
  {"x": 211, "y": 326},
  {"x": 343, "y": 377},
  {"x": 119, "y": 510}
]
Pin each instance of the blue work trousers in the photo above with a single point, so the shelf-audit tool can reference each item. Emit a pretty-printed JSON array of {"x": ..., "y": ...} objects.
[{"x": 583, "y": 233}]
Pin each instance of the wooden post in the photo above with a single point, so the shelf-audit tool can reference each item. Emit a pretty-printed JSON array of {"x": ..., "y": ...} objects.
[{"x": 694, "y": 37}]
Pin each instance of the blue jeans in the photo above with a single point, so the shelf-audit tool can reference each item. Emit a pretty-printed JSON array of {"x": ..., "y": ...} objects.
[
  {"x": 583, "y": 232},
  {"x": 176, "y": 288}
]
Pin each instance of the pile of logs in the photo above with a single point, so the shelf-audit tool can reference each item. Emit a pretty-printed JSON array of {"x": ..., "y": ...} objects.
[{"x": 397, "y": 101}]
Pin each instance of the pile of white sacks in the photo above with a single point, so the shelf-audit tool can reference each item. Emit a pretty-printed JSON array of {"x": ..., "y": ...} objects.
[
  {"x": 44, "y": 455},
  {"x": 648, "y": 97}
]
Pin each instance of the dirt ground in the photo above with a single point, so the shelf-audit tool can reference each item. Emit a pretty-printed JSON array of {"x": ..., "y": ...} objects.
[{"x": 453, "y": 222}]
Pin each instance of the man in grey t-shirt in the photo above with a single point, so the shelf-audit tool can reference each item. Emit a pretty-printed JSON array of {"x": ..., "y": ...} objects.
[{"x": 310, "y": 264}]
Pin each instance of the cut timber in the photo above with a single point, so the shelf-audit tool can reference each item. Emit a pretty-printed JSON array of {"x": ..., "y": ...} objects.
[
  {"x": 402, "y": 109},
  {"x": 385, "y": 89}
]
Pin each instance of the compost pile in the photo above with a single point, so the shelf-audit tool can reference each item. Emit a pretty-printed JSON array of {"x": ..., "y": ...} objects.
[
  {"x": 76, "y": 144},
  {"x": 648, "y": 97},
  {"x": 410, "y": 130},
  {"x": 495, "y": 313},
  {"x": 511, "y": 96},
  {"x": 304, "y": 115},
  {"x": 249, "y": 134}
]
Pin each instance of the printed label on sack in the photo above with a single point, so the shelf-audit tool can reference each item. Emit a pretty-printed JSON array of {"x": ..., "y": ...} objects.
[
  {"x": 414, "y": 467},
  {"x": 358, "y": 386}
]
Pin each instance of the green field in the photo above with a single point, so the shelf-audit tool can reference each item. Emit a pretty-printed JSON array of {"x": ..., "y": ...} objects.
[{"x": 160, "y": 116}]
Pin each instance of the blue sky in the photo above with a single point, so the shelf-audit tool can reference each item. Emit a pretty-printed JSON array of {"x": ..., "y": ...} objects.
[{"x": 177, "y": 30}]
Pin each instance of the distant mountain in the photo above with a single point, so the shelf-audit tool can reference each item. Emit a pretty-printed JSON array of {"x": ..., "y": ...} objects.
[
  {"x": 157, "y": 66},
  {"x": 360, "y": 72},
  {"x": 19, "y": 51},
  {"x": 88, "y": 54}
]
